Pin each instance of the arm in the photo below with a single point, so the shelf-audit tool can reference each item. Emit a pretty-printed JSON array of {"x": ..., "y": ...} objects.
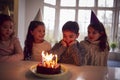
[
  {"x": 18, "y": 53},
  {"x": 74, "y": 50},
  {"x": 85, "y": 52},
  {"x": 104, "y": 58},
  {"x": 58, "y": 49}
]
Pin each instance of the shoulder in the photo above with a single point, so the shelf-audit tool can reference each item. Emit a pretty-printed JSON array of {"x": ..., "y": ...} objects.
[
  {"x": 57, "y": 44},
  {"x": 46, "y": 43},
  {"x": 15, "y": 39},
  {"x": 84, "y": 42}
]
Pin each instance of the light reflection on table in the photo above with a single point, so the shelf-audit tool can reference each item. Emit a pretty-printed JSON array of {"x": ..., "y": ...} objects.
[{"x": 20, "y": 71}]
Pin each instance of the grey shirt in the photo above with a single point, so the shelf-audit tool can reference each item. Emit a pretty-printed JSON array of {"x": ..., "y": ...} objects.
[
  {"x": 93, "y": 55},
  {"x": 70, "y": 55}
]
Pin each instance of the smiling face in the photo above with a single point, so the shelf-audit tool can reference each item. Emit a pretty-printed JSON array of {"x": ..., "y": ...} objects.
[
  {"x": 93, "y": 34},
  {"x": 6, "y": 29},
  {"x": 38, "y": 33},
  {"x": 69, "y": 36}
]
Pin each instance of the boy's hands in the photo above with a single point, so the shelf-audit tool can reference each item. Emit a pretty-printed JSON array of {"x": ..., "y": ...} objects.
[
  {"x": 71, "y": 43},
  {"x": 66, "y": 44}
]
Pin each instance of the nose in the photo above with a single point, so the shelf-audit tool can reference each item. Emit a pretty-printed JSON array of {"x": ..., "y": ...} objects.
[
  {"x": 67, "y": 40},
  {"x": 43, "y": 33},
  {"x": 90, "y": 35},
  {"x": 8, "y": 29}
]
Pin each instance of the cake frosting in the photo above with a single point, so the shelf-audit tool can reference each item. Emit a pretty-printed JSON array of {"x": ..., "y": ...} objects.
[{"x": 48, "y": 70}]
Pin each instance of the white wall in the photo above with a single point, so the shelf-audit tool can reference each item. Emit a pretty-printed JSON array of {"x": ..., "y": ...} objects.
[
  {"x": 27, "y": 10},
  {"x": 21, "y": 21},
  {"x": 32, "y": 7}
]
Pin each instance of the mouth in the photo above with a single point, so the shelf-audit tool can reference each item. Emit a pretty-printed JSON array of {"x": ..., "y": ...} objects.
[
  {"x": 41, "y": 36},
  {"x": 7, "y": 33},
  {"x": 90, "y": 38}
]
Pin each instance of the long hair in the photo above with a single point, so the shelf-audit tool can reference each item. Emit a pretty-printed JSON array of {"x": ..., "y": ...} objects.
[
  {"x": 3, "y": 18},
  {"x": 103, "y": 38},
  {"x": 29, "y": 39}
]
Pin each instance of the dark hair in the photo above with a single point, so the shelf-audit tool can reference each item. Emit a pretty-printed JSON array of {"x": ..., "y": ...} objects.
[
  {"x": 103, "y": 39},
  {"x": 71, "y": 26},
  {"x": 29, "y": 38},
  {"x": 3, "y": 18}
]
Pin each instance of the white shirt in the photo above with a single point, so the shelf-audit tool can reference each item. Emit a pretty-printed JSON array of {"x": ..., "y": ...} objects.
[{"x": 38, "y": 48}]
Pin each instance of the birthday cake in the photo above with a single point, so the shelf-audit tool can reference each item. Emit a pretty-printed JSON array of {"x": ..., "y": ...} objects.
[
  {"x": 48, "y": 65},
  {"x": 48, "y": 70}
]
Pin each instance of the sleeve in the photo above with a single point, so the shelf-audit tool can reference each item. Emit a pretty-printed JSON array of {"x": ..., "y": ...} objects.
[
  {"x": 77, "y": 53},
  {"x": 18, "y": 53},
  {"x": 84, "y": 53},
  {"x": 104, "y": 58},
  {"x": 48, "y": 46},
  {"x": 58, "y": 49}
]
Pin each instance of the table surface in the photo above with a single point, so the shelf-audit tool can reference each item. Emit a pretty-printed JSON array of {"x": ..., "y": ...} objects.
[{"x": 21, "y": 71}]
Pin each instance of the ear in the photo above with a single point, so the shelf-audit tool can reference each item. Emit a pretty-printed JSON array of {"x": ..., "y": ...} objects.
[
  {"x": 102, "y": 33},
  {"x": 31, "y": 32},
  {"x": 78, "y": 35}
]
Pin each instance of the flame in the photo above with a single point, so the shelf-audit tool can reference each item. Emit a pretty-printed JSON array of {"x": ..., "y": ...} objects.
[{"x": 49, "y": 60}]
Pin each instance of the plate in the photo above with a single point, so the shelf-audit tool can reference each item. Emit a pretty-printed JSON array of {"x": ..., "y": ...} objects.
[{"x": 64, "y": 71}]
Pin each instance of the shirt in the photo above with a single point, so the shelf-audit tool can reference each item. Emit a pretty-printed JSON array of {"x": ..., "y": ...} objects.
[
  {"x": 93, "y": 55},
  {"x": 69, "y": 55},
  {"x": 10, "y": 50},
  {"x": 38, "y": 48}
]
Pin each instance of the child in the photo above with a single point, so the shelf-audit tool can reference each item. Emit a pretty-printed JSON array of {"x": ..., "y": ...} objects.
[
  {"x": 35, "y": 43},
  {"x": 96, "y": 43},
  {"x": 68, "y": 49},
  {"x": 10, "y": 48}
]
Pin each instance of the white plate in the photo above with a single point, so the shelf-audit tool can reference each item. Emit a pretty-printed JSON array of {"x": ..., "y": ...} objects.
[{"x": 63, "y": 72}]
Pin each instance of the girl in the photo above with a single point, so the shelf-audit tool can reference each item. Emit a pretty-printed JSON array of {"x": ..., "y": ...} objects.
[
  {"x": 96, "y": 44},
  {"x": 68, "y": 49},
  {"x": 10, "y": 48},
  {"x": 35, "y": 43}
]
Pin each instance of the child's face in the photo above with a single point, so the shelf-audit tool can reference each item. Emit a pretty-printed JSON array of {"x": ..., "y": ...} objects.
[
  {"x": 93, "y": 35},
  {"x": 6, "y": 29},
  {"x": 38, "y": 33},
  {"x": 69, "y": 36}
]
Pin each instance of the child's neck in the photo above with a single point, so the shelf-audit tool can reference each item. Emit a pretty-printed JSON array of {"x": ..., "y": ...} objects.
[
  {"x": 38, "y": 41},
  {"x": 5, "y": 38}
]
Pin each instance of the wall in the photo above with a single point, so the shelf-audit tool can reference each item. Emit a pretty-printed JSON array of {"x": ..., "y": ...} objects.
[
  {"x": 21, "y": 21},
  {"x": 32, "y": 7},
  {"x": 27, "y": 10},
  {"x": 114, "y": 56}
]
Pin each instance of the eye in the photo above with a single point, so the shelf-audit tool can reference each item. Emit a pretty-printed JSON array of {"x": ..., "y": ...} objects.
[
  {"x": 71, "y": 36},
  {"x": 64, "y": 36},
  {"x": 95, "y": 32},
  {"x": 11, "y": 27},
  {"x": 5, "y": 27}
]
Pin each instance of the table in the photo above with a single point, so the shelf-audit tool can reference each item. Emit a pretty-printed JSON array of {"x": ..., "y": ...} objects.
[{"x": 20, "y": 71}]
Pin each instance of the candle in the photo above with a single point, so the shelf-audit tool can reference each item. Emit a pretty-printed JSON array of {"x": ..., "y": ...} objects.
[
  {"x": 49, "y": 60},
  {"x": 42, "y": 57},
  {"x": 56, "y": 59}
]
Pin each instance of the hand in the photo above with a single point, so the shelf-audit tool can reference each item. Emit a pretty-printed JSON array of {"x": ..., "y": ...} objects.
[
  {"x": 64, "y": 43},
  {"x": 72, "y": 42}
]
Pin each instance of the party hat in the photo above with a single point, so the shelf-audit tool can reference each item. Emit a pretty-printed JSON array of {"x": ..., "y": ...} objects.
[
  {"x": 38, "y": 16},
  {"x": 94, "y": 19},
  {"x": 6, "y": 10}
]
